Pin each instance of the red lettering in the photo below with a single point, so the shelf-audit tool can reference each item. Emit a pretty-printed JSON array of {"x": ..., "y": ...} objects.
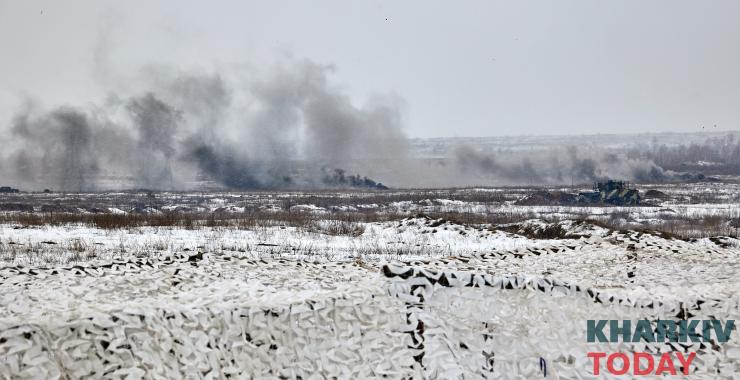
[
  {"x": 625, "y": 364},
  {"x": 596, "y": 356},
  {"x": 636, "y": 363},
  {"x": 643, "y": 363},
  {"x": 665, "y": 364},
  {"x": 686, "y": 362}
]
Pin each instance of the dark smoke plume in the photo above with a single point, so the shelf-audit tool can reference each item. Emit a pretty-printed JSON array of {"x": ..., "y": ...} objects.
[
  {"x": 278, "y": 131},
  {"x": 156, "y": 124},
  {"x": 56, "y": 148},
  {"x": 223, "y": 167}
]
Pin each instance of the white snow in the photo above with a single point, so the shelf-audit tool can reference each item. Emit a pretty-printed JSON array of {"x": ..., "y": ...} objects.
[{"x": 276, "y": 300}]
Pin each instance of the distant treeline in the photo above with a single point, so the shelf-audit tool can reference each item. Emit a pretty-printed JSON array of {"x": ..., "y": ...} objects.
[{"x": 716, "y": 155}]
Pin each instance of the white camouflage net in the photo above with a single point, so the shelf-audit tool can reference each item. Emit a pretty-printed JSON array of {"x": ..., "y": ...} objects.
[
  {"x": 496, "y": 309},
  {"x": 481, "y": 325},
  {"x": 279, "y": 320}
]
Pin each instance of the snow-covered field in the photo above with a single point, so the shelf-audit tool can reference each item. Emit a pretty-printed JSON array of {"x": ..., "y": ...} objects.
[{"x": 408, "y": 293}]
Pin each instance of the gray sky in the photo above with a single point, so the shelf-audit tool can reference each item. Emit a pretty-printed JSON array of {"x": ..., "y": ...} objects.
[{"x": 464, "y": 68}]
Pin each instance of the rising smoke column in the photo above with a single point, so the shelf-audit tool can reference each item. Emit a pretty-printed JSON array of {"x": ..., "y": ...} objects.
[
  {"x": 55, "y": 148},
  {"x": 156, "y": 124},
  {"x": 283, "y": 128},
  {"x": 296, "y": 127}
]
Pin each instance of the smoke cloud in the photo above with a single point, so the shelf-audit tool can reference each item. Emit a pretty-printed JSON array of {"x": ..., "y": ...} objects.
[
  {"x": 556, "y": 166},
  {"x": 286, "y": 128},
  {"x": 156, "y": 123},
  {"x": 57, "y": 147}
]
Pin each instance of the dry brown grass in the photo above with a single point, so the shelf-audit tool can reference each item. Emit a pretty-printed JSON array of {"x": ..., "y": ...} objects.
[
  {"x": 246, "y": 220},
  {"x": 347, "y": 223}
]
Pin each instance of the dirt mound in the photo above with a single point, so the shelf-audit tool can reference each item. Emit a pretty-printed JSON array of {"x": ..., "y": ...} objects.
[
  {"x": 24, "y": 207},
  {"x": 656, "y": 194},
  {"x": 538, "y": 229},
  {"x": 545, "y": 198}
]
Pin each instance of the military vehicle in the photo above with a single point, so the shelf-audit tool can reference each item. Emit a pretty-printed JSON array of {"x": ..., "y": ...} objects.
[{"x": 613, "y": 192}]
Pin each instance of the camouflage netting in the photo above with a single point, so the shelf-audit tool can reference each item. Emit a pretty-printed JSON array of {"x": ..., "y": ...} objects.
[
  {"x": 481, "y": 325},
  {"x": 505, "y": 313},
  {"x": 201, "y": 317}
]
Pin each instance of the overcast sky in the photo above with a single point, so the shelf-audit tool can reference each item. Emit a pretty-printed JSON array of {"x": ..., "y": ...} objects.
[{"x": 464, "y": 68}]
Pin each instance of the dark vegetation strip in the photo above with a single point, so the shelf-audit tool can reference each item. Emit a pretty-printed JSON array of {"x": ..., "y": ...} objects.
[{"x": 345, "y": 222}]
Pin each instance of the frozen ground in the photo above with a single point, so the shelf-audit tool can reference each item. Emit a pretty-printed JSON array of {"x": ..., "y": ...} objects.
[{"x": 281, "y": 299}]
